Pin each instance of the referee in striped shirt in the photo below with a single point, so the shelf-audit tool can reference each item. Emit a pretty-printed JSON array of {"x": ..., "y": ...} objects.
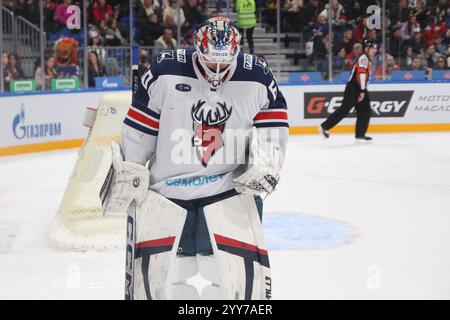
[{"x": 355, "y": 95}]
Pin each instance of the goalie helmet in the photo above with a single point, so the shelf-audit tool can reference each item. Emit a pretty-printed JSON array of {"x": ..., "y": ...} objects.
[{"x": 217, "y": 42}]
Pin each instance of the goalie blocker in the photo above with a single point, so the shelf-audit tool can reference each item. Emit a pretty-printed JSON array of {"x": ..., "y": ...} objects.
[{"x": 238, "y": 268}]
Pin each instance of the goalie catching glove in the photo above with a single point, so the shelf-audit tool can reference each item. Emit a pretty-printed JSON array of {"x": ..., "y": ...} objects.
[
  {"x": 264, "y": 164},
  {"x": 125, "y": 182}
]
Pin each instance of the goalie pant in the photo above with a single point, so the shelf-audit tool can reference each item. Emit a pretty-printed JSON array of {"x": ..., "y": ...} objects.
[
  {"x": 195, "y": 236},
  {"x": 238, "y": 269}
]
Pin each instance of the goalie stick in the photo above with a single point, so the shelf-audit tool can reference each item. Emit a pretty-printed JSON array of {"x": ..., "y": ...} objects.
[{"x": 131, "y": 214}]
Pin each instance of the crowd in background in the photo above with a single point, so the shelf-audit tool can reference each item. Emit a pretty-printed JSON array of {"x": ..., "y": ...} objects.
[{"x": 417, "y": 31}]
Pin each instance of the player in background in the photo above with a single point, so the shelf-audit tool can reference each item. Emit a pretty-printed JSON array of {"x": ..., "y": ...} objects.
[
  {"x": 355, "y": 95},
  {"x": 202, "y": 213}
]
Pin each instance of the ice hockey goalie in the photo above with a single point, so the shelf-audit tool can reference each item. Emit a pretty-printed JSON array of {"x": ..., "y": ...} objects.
[{"x": 203, "y": 141}]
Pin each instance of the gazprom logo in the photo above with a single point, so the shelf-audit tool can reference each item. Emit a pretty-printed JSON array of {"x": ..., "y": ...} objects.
[
  {"x": 107, "y": 84},
  {"x": 22, "y": 130}
]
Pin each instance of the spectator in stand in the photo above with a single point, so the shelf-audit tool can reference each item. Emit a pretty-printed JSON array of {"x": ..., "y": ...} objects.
[
  {"x": 432, "y": 30},
  {"x": 355, "y": 12},
  {"x": 171, "y": 10},
  {"x": 12, "y": 71},
  {"x": 203, "y": 6},
  {"x": 406, "y": 57},
  {"x": 396, "y": 42},
  {"x": 166, "y": 40},
  {"x": 169, "y": 23},
  {"x": 4, "y": 64},
  {"x": 440, "y": 46},
  {"x": 422, "y": 13},
  {"x": 390, "y": 66},
  {"x": 337, "y": 15},
  {"x": 4, "y": 59},
  {"x": 95, "y": 68},
  {"x": 373, "y": 36},
  {"x": 293, "y": 15},
  {"x": 416, "y": 65},
  {"x": 152, "y": 30},
  {"x": 148, "y": 8},
  {"x": 50, "y": 73},
  {"x": 14, "y": 67},
  {"x": 311, "y": 13},
  {"x": 352, "y": 56},
  {"x": 50, "y": 25},
  {"x": 96, "y": 43},
  {"x": 10, "y": 5},
  {"x": 441, "y": 63},
  {"x": 246, "y": 10},
  {"x": 321, "y": 26},
  {"x": 441, "y": 9},
  {"x": 401, "y": 12},
  {"x": 29, "y": 9},
  {"x": 408, "y": 28},
  {"x": 428, "y": 56},
  {"x": 339, "y": 60},
  {"x": 144, "y": 61},
  {"x": 220, "y": 4},
  {"x": 269, "y": 15},
  {"x": 361, "y": 30},
  {"x": 320, "y": 52},
  {"x": 347, "y": 41},
  {"x": 416, "y": 42},
  {"x": 192, "y": 14},
  {"x": 113, "y": 36},
  {"x": 102, "y": 11},
  {"x": 61, "y": 14}
]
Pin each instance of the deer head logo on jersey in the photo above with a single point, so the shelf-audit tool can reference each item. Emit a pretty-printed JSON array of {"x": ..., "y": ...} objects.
[{"x": 209, "y": 124}]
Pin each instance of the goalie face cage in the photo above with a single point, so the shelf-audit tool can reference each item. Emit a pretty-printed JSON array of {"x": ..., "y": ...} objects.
[{"x": 79, "y": 223}]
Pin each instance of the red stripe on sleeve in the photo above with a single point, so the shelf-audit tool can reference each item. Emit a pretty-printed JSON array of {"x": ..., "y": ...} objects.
[
  {"x": 141, "y": 118},
  {"x": 271, "y": 116}
]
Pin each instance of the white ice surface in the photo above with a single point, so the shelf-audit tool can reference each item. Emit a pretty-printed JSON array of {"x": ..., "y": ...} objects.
[{"x": 395, "y": 194}]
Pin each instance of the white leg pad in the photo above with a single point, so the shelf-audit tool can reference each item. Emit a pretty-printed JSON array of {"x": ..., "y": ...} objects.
[
  {"x": 153, "y": 233},
  {"x": 209, "y": 270},
  {"x": 186, "y": 267},
  {"x": 239, "y": 248}
]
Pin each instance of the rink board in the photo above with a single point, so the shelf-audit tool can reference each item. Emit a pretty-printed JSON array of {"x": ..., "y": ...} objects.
[{"x": 49, "y": 121}]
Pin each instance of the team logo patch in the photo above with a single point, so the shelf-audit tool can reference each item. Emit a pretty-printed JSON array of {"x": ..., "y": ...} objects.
[
  {"x": 263, "y": 64},
  {"x": 208, "y": 124},
  {"x": 181, "y": 55},
  {"x": 183, "y": 87},
  {"x": 165, "y": 55},
  {"x": 248, "y": 61}
]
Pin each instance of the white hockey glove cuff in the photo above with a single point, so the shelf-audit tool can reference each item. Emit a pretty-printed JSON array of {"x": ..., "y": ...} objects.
[
  {"x": 265, "y": 162},
  {"x": 125, "y": 182}
]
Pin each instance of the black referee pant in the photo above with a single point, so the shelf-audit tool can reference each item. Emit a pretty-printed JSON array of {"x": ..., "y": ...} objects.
[{"x": 350, "y": 100}]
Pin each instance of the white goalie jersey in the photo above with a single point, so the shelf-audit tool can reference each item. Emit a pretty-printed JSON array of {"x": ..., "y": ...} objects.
[{"x": 194, "y": 137}]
